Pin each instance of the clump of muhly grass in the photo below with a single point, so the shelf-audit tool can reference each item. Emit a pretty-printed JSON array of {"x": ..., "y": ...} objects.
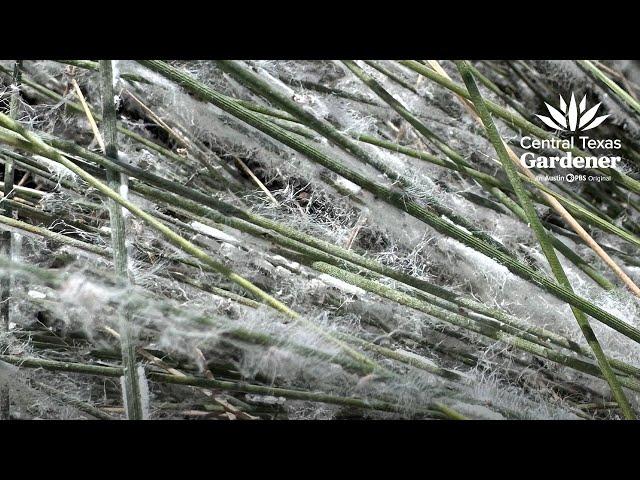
[{"x": 189, "y": 320}]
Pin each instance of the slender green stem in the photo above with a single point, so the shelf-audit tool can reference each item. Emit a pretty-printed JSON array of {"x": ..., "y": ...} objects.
[
  {"x": 95, "y": 66},
  {"x": 8, "y": 190},
  {"x": 57, "y": 237},
  {"x": 131, "y": 380},
  {"x": 615, "y": 88},
  {"x": 401, "y": 110},
  {"x": 6, "y": 238},
  {"x": 557, "y": 243},
  {"x": 498, "y": 91},
  {"x": 70, "y": 400},
  {"x": 367, "y": 404},
  {"x": 334, "y": 91},
  {"x": 541, "y": 234},
  {"x": 388, "y": 73}
]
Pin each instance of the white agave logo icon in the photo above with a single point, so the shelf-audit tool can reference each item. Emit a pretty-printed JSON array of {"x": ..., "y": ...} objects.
[{"x": 574, "y": 117}]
